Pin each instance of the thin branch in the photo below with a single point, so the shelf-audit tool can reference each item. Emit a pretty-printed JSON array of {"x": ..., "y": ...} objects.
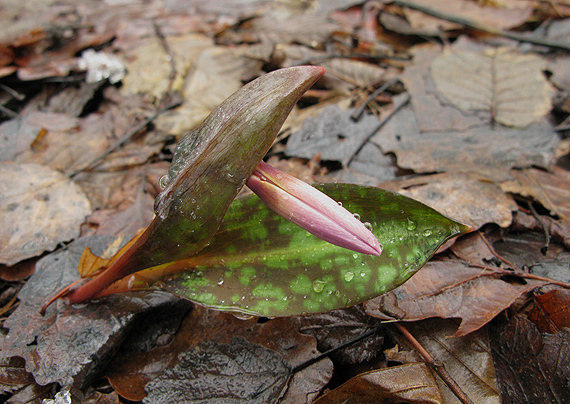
[
  {"x": 436, "y": 365},
  {"x": 546, "y": 245},
  {"x": 565, "y": 46},
  {"x": 126, "y": 137},
  {"x": 325, "y": 354}
]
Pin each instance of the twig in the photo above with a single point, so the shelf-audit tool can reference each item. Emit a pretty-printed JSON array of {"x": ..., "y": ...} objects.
[
  {"x": 325, "y": 354},
  {"x": 8, "y": 112},
  {"x": 546, "y": 245},
  {"x": 482, "y": 27},
  {"x": 496, "y": 254},
  {"x": 166, "y": 46},
  {"x": 405, "y": 99},
  {"x": 126, "y": 137},
  {"x": 436, "y": 365},
  {"x": 358, "y": 112}
]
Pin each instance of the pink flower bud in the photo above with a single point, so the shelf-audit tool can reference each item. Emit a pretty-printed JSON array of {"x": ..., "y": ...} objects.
[{"x": 311, "y": 210}]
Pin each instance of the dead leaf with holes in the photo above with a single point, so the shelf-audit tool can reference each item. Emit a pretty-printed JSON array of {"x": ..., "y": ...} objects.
[{"x": 507, "y": 85}]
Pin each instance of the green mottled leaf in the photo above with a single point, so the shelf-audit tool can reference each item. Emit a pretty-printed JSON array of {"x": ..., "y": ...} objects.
[{"x": 260, "y": 264}]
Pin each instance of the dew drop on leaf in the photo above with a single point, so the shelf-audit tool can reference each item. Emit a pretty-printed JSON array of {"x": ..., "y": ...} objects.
[
  {"x": 411, "y": 225},
  {"x": 318, "y": 286},
  {"x": 163, "y": 181}
]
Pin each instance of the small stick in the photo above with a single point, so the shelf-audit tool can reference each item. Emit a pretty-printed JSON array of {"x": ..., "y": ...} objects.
[
  {"x": 482, "y": 27},
  {"x": 119, "y": 143},
  {"x": 325, "y": 354},
  {"x": 436, "y": 365},
  {"x": 358, "y": 112},
  {"x": 544, "y": 248}
]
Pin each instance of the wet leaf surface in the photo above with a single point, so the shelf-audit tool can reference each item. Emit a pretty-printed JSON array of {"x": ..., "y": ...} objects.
[
  {"x": 69, "y": 345},
  {"x": 531, "y": 367},
  {"x": 216, "y": 373},
  {"x": 290, "y": 272},
  {"x": 131, "y": 371},
  {"x": 336, "y": 327},
  {"x": 551, "y": 312}
]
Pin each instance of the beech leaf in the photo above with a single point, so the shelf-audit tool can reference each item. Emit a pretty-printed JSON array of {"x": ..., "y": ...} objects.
[
  {"x": 507, "y": 85},
  {"x": 261, "y": 264}
]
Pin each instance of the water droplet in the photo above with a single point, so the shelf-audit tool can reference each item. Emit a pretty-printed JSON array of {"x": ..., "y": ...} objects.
[
  {"x": 339, "y": 203},
  {"x": 355, "y": 256},
  {"x": 163, "y": 181},
  {"x": 427, "y": 233},
  {"x": 356, "y": 215},
  {"x": 220, "y": 281},
  {"x": 411, "y": 225},
  {"x": 242, "y": 316},
  {"x": 368, "y": 225},
  {"x": 319, "y": 286},
  {"x": 348, "y": 276}
]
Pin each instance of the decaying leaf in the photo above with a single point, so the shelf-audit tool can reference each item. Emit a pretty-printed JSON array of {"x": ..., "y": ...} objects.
[
  {"x": 496, "y": 15},
  {"x": 488, "y": 150},
  {"x": 450, "y": 289},
  {"x": 468, "y": 197},
  {"x": 551, "y": 312},
  {"x": 467, "y": 359},
  {"x": 131, "y": 369},
  {"x": 411, "y": 383},
  {"x": 69, "y": 345},
  {"x": 332, "y": 135},
  {"x": 217, "y": 72},
  {"x": 333, "y": 328},
  {"x": 509, "y": 86},
  {"x": 238, "y": 372},
  {"x": 531, "y": 367},
  {"x": 550, "y": 189},
  {"x": 39, "y": 208}
]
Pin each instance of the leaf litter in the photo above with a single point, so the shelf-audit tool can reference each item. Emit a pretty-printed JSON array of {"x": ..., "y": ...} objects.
[{"x": 475, "y": 157}]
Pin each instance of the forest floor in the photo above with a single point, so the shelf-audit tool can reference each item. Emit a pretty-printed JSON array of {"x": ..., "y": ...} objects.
[{"x": 463, "y": 106}]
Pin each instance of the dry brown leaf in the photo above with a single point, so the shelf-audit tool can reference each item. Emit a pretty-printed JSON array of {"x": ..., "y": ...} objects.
[
  {"x": 411, "y": 383},
  {"x": 150, "y": 66},
  {"x": 508, "y": 86},
  {"x": 464, "y": 197},
  {"x": 552, "y": 190},
  {"x": 39, "y": 208},
  {"x": 450, "y": 289},
  {"x": 467, "y": 359},
  {"x": 217, "y": 72}
]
